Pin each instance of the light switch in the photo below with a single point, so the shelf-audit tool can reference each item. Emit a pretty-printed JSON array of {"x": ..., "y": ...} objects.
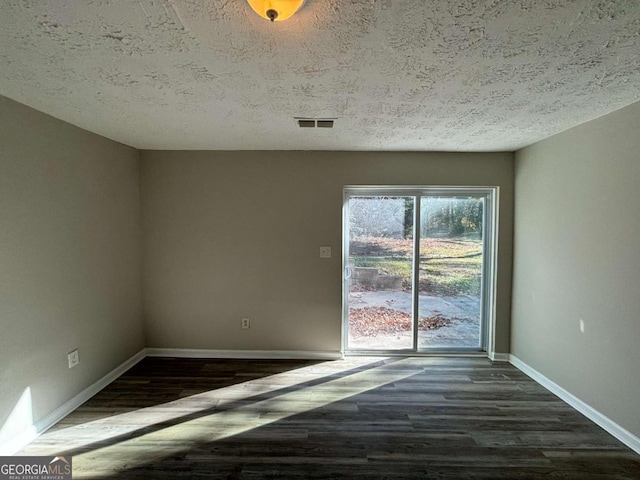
[{"x": 325, "y": 252}]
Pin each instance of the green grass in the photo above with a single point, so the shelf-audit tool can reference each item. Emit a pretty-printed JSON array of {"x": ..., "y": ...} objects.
[
  {"x": 385, "y": 266},
  {"x": 448, "y": 267}
]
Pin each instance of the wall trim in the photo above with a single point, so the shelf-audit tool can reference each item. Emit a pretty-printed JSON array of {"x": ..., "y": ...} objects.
[
  {"x": 13, "y": 445},
  {"x": 10, "y": 447},
  {"x": 246, "y": 354},
  {"x": 622, "y": 434},
  {"x": 498, "y": 357}
]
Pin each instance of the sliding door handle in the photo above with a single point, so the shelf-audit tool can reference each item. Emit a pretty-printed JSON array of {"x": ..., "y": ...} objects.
[{"x": 347, "y": 272}]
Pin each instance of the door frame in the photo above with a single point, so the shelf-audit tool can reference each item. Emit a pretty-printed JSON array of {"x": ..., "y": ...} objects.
[{"x": 489, "y": 264}]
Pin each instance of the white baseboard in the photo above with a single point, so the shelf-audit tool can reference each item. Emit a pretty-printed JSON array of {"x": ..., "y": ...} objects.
[
  {"x": 17, "y": 443},
  {"x": 588, "y": 411},
  {"x": 246, "y": 354},
  {"x": 498, "y": 357},
  {"x": 13, "y": 445}
]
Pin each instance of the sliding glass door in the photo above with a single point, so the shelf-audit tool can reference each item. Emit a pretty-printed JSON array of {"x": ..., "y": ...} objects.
[
  {"x": 380, "y": 272},
  {"x": 450, "y": 269},
  {"x": 418, "y": 273}
]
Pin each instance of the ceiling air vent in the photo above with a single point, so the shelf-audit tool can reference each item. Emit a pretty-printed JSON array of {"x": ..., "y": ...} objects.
[{"x": 315, "y": 122}]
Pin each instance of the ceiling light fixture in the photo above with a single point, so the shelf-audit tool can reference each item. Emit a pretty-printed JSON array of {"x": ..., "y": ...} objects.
[{"x": 275, "y": 9}]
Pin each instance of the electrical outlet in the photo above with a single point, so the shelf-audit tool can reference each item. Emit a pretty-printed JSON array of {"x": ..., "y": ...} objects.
[
  {"x": 325, "y": 252},
  {"x": 246, "y": 323},
  {"x": 581, "y": 325},
  {"x": 74, "y": 358}
]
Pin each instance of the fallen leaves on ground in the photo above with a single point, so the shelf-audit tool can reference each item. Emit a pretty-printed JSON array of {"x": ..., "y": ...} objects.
[{"x": 372, "y": 321}]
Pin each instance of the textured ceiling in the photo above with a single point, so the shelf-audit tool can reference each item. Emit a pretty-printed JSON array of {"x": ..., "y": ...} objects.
[{"x": 396, "y": 74}]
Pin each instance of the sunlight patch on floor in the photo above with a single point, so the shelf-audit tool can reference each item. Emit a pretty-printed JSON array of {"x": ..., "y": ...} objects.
[
  {"x": 171, "y": 440},
  {"x": 112, "y": 426}
]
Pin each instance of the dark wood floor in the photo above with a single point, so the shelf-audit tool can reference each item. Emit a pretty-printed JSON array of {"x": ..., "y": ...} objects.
[{"x": 382, "y": 418}]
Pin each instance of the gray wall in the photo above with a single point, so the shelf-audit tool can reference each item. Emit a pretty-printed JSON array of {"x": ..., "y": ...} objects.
[
  {"x": 577, "y": 256},
  {"x": 70, "y": 260},
  {"x": 236, "y": 234}
]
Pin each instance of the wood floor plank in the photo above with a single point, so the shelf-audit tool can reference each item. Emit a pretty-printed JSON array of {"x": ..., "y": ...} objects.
[{"x": 372, "y": 418}]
